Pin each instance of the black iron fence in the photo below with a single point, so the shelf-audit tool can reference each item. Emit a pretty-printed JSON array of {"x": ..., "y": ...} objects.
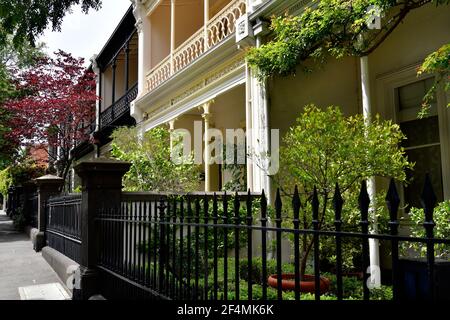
[
  {"x": 23, "y": 200},
  {"x": 63, "y": 225},
  {"x": 221, "y": 246},
  {"x": 32, "y": 209}
]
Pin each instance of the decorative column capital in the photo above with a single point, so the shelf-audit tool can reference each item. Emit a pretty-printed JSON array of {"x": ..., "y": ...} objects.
[
  {"x": 139, "y": 12},
  {"x": 139, "y": 25},
  {"x": 171, "y": 124}
]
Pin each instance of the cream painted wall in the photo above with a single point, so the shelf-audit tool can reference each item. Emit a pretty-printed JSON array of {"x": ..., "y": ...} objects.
[
  {"x": 216, "y": 5},
  {"x": 106, "y": 91},
  {"x": 334, "y": 84},
  {"x": 338, "y": 82},
  {"x": 133, "y": 69},
  {"x": 106, "y": 88},
  {"x": 120, "y": 79},
  {"x": 188, "y": 20},
  {"x": 228, "y": 112},
  {"x": 160, "y": 33}
]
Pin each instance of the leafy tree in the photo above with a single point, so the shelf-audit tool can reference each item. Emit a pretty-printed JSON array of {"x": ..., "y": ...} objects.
[
  {"x": 24, "y": 20},
  {"x": 152, "y": 168},
  {"x": 23, "y": 170},
  {"x": 11, "y": 59},
  {"x": 56, "y": 104},
  {"x": 323, "y": 149},
  {"x": 329, "y": 27}
]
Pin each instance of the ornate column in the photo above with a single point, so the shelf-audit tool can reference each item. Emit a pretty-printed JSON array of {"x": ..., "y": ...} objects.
[
  {"x": 260, "y": 134},
  {"x": 205, "y": 22},
  {"x": 172, "y": 34},
  {"x": 207, "y": 153},
  {"x": 371, "y": 187},
  {"x": 98, "y": 82},
  {"x": 171, "y": 129},
  {"x": 127, "y": 65},
  {"x": 143, "y": 27}
]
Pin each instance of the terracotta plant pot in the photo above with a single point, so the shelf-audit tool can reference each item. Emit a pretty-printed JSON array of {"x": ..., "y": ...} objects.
[{"x": 306, "y": 285}]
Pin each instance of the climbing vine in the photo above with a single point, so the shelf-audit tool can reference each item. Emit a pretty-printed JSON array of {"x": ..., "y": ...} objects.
[
  {"x": 436, "y": 63},
  {"x": 329, "y": 27}
]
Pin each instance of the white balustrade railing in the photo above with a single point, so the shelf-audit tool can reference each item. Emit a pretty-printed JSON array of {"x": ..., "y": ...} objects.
[
  {"x": 218, "y": 28},
  {"x": 190, "y": 50},
  {"x": 223, "y": 23},
  {"x": 160, "y": 73}
]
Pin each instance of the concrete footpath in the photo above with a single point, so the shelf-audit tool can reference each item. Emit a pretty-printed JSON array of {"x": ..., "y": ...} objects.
[{"x": 21, "y": 267}]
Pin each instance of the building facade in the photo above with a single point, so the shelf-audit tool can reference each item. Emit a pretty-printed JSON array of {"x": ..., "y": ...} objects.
[{"x": 181, "y": 64}]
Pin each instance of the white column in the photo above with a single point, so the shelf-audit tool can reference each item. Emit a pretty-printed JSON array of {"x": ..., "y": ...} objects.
[
  {"x": 205, "y": 22},
  {"x": 249, "y": 126},
  {"x": 371, "y": 188},
  {"x": 96, "y": 70},
  {"x": 260, "y": 138},
  {"x": 143, "y": 27},
  {"x": 171, "y": 129},
  {"x": 207, "y": 153},
  {"x": 172, "y": 34}
]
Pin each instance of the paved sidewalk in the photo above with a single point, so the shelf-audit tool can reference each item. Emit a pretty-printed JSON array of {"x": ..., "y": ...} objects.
[{"x": 20, "y": 265}]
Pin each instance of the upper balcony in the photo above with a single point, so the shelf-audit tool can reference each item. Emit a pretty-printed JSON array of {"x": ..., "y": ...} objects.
[
  {"x": 118, "y": 76},
  {"x": 179, "y": 39}
]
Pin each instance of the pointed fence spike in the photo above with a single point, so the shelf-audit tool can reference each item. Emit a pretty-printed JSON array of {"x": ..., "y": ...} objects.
[
  {"x": 249, "y": 198},
  {"x": 278, "y": 204},
  {"x": 263, "y": 205},
  {"x": 364, "y": 201},
  {"x": 205, "y": 206},
  {"x": 237, "y": 205},
  {"x": 337, "y": 202},
  {"x": 296, "y": 203},
  {"x": 315, "y": 204},
  {"x": 392, "y": 201},
  {"x": 428, "y": 198}
]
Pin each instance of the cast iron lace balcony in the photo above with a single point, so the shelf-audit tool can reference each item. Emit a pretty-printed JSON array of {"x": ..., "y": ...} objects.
[{"x": 118, "y": 108}]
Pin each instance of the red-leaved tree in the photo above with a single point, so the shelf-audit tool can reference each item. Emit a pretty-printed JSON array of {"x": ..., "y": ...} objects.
[{"x": 55, "y": 107}]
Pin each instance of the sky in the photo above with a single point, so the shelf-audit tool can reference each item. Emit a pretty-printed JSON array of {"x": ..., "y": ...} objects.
[{"x": 85, "y": 35}]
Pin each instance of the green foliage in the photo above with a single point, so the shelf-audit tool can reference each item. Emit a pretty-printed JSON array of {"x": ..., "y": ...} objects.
[
  {"x": 152, "y": 168},
  {"x": 238, "y": 181},
  {"x": 24, "y": 170},
  {"x": 325, "y": 148},
  {"x": 11, "y": 58},
  {"x": 202, "y": 236},
  {"x": 437, "y": 63},
  {"x": 327, "y": 27},
  {"x": 352, "y": 286},
  {"x": 441, "y": 218}
]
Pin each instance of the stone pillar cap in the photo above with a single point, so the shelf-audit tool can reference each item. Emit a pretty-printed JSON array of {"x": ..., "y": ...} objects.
[
  {"x": 48, "y": 178},
  {"x": 103, "y": 164}
]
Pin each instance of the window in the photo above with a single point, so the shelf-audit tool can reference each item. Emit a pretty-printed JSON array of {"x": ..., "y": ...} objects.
[{"x": 423, "y": 143}]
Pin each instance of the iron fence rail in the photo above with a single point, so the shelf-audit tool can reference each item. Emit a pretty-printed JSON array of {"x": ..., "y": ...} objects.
[
  {"x": 63, "y": 228},
  {"x": 220, "y": 246}
]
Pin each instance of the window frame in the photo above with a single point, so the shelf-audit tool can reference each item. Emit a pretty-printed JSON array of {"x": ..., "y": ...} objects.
[{"x": 387, "y": 85}]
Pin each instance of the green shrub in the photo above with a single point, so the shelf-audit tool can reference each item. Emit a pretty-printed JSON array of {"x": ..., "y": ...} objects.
[{"x": 441, "y": 218}]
